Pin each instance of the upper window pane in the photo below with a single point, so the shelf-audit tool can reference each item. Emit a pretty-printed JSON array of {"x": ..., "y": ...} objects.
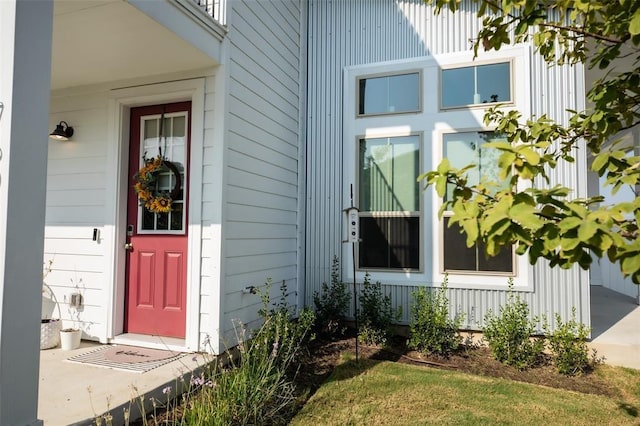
[
  {"x": 477, "y": 84},
  {"x": 389, "y": 94},
  {"x": 462, "y": 149},
  {"x": 388, "y": 171}
]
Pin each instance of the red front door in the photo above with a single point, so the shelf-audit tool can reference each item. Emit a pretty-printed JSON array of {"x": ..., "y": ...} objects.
[{"x": 156, "y": 240}]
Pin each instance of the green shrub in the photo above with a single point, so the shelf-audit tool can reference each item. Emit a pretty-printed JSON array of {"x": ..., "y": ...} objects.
[
  {"x": 510, "y": 334},
  {"x": 568, "y": 345},
  {"x": 257, "y": 386},
  {"x": 279, "y": 330},
  {"x": 375, "y": 314},
  {"x": 332, "y": 303},
  {"x": 431, "y": 329}
]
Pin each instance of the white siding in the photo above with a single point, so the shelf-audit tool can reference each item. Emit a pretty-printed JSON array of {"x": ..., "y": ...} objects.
[
  {"x": 76, "y": 187},
  {"x": 261, "y": 156},
  {"x": 77, "y": 202},
  {"x": 353, "y": 32}
]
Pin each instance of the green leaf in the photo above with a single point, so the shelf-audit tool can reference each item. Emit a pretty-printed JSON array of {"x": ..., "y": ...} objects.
[
  {"x": 441, "y": 186},
  {"x": 568, "y": 243},
  {"x": 569, "y": 223},
  {"x": 600, "y": 162},
  {"x": 444, "y": 166},
  {"x": 530, "y": 155},
  {"x": 471, "y": 229},
  {"x": 631, "y": 264},
  {"x": 634, "y": 24},
  {"x": 526, "y": 216},
  {"x": 587, "y": 230}
]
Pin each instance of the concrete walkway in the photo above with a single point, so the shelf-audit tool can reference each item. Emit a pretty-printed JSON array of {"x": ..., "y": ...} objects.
[
  {"x": 73, "y": 393},
  {"x": 615, "y": 327}
]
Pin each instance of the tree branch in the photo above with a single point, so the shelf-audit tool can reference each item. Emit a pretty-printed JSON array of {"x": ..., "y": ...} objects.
[{"x": 584, "y": 33}]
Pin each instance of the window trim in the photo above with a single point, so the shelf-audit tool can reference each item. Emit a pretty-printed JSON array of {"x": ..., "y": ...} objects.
[
  {"x": 408, "y": 71},
  {"x": 430, "y": 122},
  {"x": 496, "y": 61},
  {"x": 185, "y": 180},
  {"x": 419, "y": 215}
]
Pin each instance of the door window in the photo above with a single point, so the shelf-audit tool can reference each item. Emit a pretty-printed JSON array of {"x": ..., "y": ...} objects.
[{"x": 165, "y": 135}]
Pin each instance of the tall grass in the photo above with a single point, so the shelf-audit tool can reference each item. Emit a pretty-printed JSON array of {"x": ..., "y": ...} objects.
[{"x": 256, "y": 387}]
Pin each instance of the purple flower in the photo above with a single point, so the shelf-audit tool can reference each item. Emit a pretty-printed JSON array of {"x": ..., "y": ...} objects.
[
  {"x": 197, "y": 381},
  {"x": 166, "y": 390}
]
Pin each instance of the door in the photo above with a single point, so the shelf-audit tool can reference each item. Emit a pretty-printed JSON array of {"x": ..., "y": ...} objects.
[{"x": 157, "y": 220}]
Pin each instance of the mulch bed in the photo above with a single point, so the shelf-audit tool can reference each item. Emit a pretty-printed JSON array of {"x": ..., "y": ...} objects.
[{"x": 325, "y": 355}]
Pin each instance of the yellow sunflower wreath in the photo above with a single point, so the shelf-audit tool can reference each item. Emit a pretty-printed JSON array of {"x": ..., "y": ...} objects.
[{"x": 146, "y": 188}]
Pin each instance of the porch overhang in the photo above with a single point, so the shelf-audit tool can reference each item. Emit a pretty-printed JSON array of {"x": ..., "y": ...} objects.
[{"x": 109, "y": 40}]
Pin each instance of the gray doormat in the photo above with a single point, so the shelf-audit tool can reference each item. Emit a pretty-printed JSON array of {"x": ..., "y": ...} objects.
[{"x": 126, "y": 358}]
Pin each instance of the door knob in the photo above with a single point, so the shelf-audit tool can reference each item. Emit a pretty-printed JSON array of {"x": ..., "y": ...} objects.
[{"x": 128, "y": 246}]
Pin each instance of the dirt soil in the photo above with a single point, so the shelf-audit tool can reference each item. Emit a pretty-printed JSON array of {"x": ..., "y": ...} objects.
[{"x": 325, "y": 355}]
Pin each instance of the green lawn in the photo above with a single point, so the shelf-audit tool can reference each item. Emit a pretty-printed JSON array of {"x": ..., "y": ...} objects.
[{"x": 378, "y": 393}]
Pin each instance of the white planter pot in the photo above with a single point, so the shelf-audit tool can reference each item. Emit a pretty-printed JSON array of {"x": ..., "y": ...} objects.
[{"x": 70, "y": 339}]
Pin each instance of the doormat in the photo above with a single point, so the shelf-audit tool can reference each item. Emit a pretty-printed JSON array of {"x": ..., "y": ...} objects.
[{"x": 127, "y": 358}]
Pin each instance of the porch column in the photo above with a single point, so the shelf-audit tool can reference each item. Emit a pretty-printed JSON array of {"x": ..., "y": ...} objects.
[{"x": 25, "y": 74}]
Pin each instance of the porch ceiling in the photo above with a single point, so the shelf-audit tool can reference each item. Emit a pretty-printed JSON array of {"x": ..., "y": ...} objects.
[{"x": 105, "y": 40}]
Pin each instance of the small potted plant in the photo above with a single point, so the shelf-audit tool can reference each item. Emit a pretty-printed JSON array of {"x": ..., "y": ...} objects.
[{"x": 70, "y": 337}]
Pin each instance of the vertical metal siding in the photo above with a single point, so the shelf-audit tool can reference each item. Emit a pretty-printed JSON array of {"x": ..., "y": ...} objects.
[{"x": 353, "y": 32}]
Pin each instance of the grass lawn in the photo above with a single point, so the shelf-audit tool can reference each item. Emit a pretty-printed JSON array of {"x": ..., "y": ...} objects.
[{"x": 378, "y": 393}]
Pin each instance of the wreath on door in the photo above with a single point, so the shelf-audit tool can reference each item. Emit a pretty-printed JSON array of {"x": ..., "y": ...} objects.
[{"x": 146, "y": 187}]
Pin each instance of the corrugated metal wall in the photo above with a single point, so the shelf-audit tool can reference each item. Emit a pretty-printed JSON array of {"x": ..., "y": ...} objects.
[{"x": 354, "y": 32}]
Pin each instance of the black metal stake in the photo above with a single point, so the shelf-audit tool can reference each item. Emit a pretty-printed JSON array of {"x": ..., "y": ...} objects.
[{"x": 355, "y": 296}]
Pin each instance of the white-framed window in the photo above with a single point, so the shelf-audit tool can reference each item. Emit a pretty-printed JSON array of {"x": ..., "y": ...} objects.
[
  {"x": 432, "y": 115},
  {"x": 388, "y": 94},
  {"x": 173, "y": 144},
  {"x": 477, "y": 84},
  {"x": 461, "y": 149},
  {"x": 389, "y": 198}
]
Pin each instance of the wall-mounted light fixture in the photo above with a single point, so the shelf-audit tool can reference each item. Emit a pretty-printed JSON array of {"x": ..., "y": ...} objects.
[{"x": 62, "y": 132}]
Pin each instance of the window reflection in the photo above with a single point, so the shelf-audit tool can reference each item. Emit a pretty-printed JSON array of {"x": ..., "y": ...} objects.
[
  {"x": 476, "y": 85},
  {"x": 389, "y": 94}
]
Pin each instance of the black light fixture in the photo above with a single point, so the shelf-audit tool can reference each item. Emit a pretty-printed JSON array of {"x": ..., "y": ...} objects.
[{"x": 62, "y": 132}]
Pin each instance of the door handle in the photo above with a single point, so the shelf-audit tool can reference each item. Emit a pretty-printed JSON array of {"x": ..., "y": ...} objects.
[{"x": 128, "y": 246}]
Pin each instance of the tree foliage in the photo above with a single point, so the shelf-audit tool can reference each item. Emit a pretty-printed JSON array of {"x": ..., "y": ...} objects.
[{"x": 539, "y": 218}]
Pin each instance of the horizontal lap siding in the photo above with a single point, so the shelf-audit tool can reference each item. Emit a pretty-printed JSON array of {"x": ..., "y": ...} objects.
[
  {"x": 354, "y": 32},
  {"x": 76, "y": 195},
  {"x": 261, "y": 156}
]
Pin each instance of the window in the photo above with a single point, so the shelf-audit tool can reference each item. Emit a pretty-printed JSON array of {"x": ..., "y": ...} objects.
[
  {"x": 462, "y": 149},
  {"x": 389, "y": 198},
  {"x": 174, "y": 148},
  {"x": 478, "y": 84},
  {"x": 398, "y": 118},
  {"x": 389, "y": 94}
]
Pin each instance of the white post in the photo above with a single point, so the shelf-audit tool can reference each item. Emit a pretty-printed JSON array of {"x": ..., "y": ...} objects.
[{"x": 25, "y": 74}]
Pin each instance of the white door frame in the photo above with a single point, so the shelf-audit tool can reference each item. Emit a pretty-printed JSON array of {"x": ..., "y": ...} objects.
[{"x": 120, "y": 103}]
